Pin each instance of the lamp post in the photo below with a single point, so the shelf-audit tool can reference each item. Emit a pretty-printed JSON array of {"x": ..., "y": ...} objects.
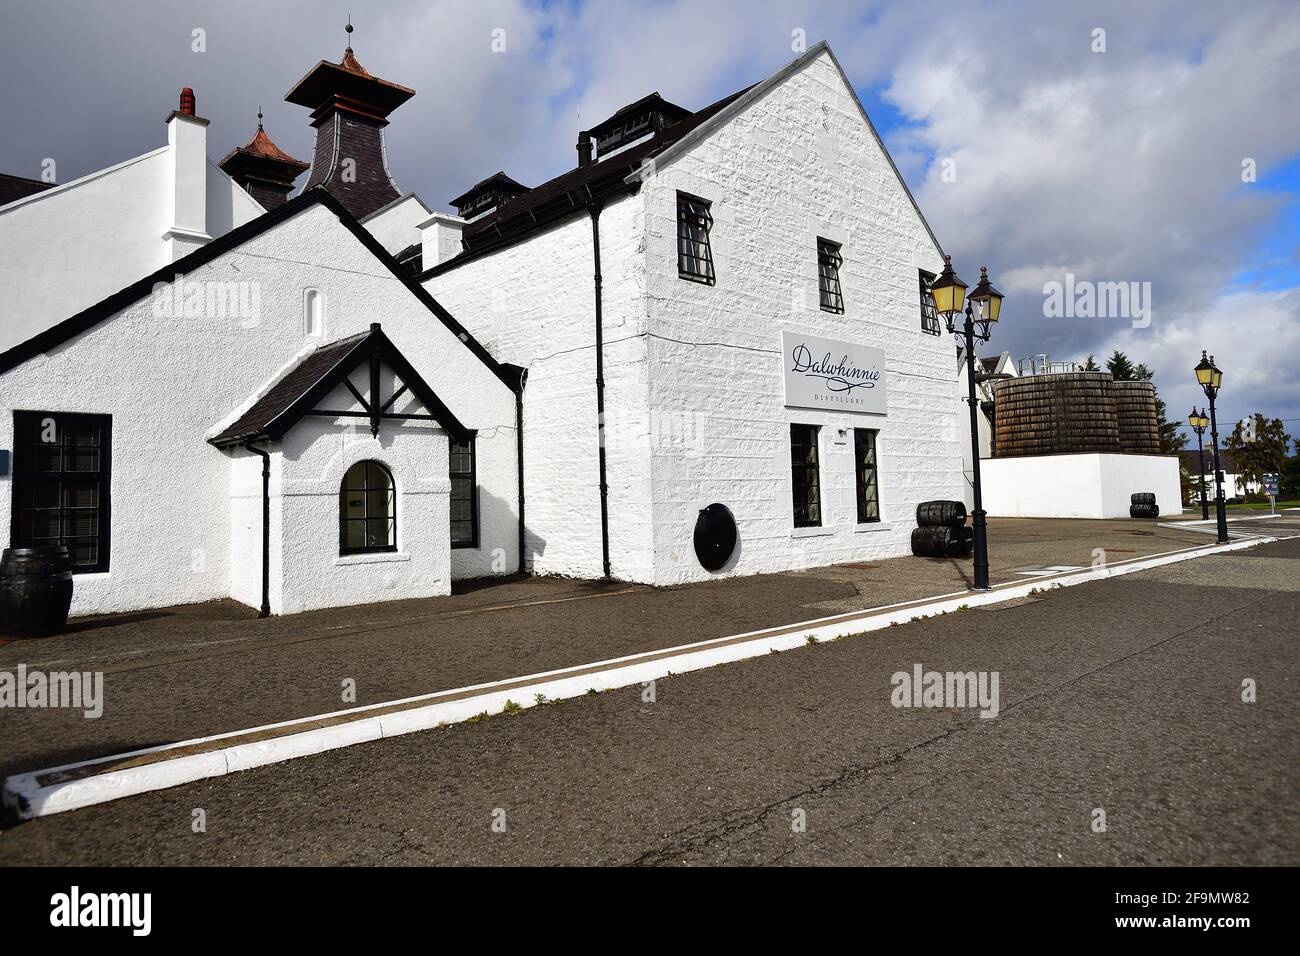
[
  {"x": 981, "y": 309},
  {"x": 1210, "y": 378},
  {"x": 1199, "y": 423}
]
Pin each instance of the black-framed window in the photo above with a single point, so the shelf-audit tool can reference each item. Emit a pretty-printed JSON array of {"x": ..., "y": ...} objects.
[
  {"x": 464, "y": 496},
  {"x": 805, "y": 476},
  {"x": 929, "y": 311},
  {"x": 829, "y": 261},
  {"x": 61, "y": 485},
  {"x": 694, "y": 256},
  {"x": 868, "y": 474},
  {"x": 367, "y": 510}
]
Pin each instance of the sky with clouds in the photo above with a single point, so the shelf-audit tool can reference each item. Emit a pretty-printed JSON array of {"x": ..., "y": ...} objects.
[{"x": 1028, "y": 147}]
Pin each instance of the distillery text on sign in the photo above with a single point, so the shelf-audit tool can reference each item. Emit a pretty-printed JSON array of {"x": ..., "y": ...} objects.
[{"x": 825, "y": 373}]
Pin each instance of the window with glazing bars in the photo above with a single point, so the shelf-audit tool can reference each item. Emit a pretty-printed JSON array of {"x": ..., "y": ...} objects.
[
  {"x": 828, "y": 275},
  {"x": 864, "y": 454},
  {"x": 694, "y": 257},
  {"x": 61, "y": 485},
  {"x": 367, "y": 510},
  {"x": 804, "y": 472},
  {"x": 464, "y": 497},
  {"x": 929, "y": 312}
]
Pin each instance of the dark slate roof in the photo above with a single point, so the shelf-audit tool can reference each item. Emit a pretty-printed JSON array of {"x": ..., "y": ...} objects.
[
  {"x": 300, "y": 389},
  {"x": 536, "y": 209},
  {"x": 13, "y": 188},
  {"x": 88, "y": 318},
  {"x": 295, "y": 384},
  {"x": 1226, "y": 461}
]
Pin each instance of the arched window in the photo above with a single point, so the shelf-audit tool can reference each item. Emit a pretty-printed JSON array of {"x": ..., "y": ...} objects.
[
  {"x": 314, "y": 311},
  {"x": 367, "y": 510}
]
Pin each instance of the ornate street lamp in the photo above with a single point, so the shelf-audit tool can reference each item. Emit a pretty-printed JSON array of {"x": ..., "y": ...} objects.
[
  {"x": 1199, "y": 423},
  {"x": 1210, "y": 379},
  {"x": 982, "y": 307}
]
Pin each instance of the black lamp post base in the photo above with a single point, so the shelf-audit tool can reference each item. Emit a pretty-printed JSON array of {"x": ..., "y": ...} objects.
[{"x": 979, "y": 529}]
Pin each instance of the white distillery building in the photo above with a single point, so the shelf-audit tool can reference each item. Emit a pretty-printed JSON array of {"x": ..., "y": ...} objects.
[{"x": 348, "y": 397}]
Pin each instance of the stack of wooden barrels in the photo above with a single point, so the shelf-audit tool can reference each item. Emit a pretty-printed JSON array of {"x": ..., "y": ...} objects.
[
  {"x": 1142, "y": 504},
  {"x": 941, "y": 530},
  {"x": 1139, "y": 427},
  {"x": 1056, "y": 414}
]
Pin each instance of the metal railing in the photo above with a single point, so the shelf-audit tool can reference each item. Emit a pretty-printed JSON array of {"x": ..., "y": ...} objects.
[{"x": 1042, "y": 365}]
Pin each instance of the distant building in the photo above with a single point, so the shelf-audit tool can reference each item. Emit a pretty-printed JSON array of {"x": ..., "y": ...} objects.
[{"x": 1200, "y": 465}]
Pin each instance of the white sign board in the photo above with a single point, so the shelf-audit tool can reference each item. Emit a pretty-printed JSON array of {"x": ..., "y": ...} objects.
[{"x": 833, "y": 375}]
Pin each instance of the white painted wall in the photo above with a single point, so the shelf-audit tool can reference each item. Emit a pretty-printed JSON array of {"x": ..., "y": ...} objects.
[
  {"x": 64, "y": 249},
  {"x": 799, "y": 164},
  {"x": 1078, "y": 486},
  {"x": 171, "y": 382},
  {"x": 395, "y": 225},
  {"x": 533, "y": 305},
  {"x": 310, "y": 463}
]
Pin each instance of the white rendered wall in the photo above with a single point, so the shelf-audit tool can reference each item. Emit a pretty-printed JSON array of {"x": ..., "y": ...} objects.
[
  {"x": 309, "y": 465},
  {"x": 394, "y": 224},
  {"x": 533, "y": 305},
  {"x": 67, "y": 248},
  {"x": 1078, "y": 486},
  {"x": 246, "y": 528},
  {"x": 798, "y": 165},
  {"x": 170, "y": 382}
]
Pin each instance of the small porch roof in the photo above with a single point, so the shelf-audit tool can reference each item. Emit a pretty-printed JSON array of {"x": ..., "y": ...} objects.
[{"x": 300, "y": 390}]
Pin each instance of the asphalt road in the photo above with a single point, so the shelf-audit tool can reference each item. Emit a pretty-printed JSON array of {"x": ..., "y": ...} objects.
[{"x": 1123, "y": 696}]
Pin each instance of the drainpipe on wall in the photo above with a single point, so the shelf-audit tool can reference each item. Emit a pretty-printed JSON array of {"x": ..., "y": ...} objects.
[
  {"x": 265, "y": 610},
  {"x": 519, "y": 456},
  {"x": 595, "y": 209}
]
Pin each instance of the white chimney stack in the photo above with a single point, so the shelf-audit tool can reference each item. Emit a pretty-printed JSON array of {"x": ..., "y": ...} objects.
[
  {"x": 187, "y": 141},
  {"x": 439, "y": 238}
]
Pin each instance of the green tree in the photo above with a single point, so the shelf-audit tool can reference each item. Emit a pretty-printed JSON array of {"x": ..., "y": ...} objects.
[
  {"x": 1091, "y": 365},
  {"x": 1266, "y": 455},
  {"x": 1291, "y": 475},
  {"x": 1120, "y": 368},
  {"x": 1172, "y": 439}
]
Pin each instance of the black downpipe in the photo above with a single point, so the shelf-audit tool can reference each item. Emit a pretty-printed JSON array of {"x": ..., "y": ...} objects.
[
  {"x": 519, "y": 458},
  {"x": 595, "y": 209},
  {"x": 265, "y": 610}
]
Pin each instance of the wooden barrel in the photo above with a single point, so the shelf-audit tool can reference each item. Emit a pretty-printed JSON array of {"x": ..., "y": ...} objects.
[
  {"x": 35, "y": 591},
  {"x": 1139, "y": 426},
  {"x": 936, "y": 514},
  {"x": 1057, "y": 414},
  {"x": 940, "y": 541}
]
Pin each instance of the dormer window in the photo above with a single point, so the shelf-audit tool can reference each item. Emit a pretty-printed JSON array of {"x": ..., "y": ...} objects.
[
  {"x": 314, "y": 311},
  {"x": 694, "y": 257},
  {"x": 828, "y": 275}
]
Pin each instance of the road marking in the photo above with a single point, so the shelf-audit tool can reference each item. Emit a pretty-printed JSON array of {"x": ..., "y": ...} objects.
[{"x": 88, "y": 782}]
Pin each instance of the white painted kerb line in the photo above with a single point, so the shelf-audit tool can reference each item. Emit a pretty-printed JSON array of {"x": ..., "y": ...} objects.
[{"x": 24, "y": 793}]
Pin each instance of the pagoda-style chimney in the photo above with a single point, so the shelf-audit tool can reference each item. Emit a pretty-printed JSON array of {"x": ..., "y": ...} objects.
[
  {"x": 264, "y": 170},
  {"x": 350, "y": 109}
]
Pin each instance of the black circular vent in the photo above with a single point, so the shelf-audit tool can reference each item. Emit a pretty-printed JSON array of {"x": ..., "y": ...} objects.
[{"x": 715, "y": 536}]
